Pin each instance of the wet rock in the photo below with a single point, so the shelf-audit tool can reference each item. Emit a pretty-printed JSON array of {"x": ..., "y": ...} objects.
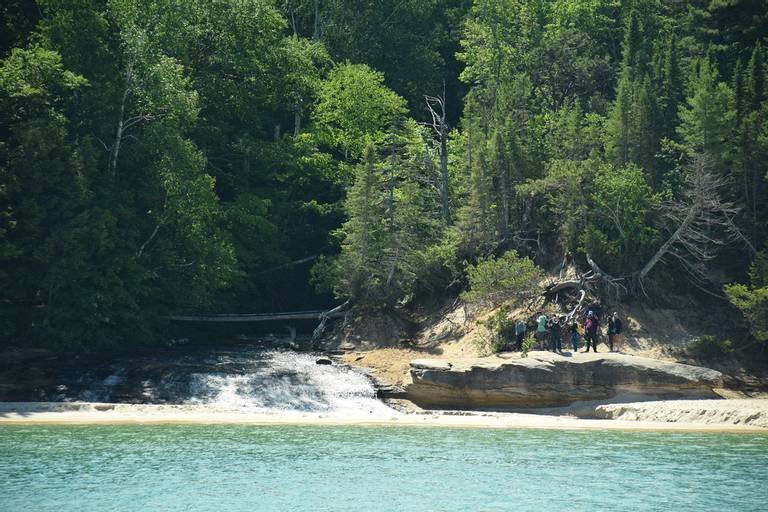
[
  {"x": 551, "y": 380},
  {"x": 323, "y": 360}
]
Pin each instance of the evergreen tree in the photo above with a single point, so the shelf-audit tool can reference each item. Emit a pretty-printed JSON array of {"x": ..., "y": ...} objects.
[
  {"x": 755, "y": 83},
  {"x": 739, "y": 91},
  {"x": 619, "y": 125},
  {"x": 671, "y": 88},
  {"x": 707, "y": 120},
  {"x": 644, "y": 126}
]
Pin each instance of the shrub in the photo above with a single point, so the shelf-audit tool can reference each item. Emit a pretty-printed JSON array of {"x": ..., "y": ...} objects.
[
  {"x": 501, "y": 279},
  {"x": 710, "y": 348},
  {"x": 500, "y": 331},
  {"x": 753, "y": 300},
  {"x": 528, "y": 343}
]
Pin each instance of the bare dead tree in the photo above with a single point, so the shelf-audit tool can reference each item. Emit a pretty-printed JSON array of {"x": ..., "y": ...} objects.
[
  {"x": 436, "y": 106},
  {"x": 699, "y": 224},
  {"x": 124, "y": 125}
]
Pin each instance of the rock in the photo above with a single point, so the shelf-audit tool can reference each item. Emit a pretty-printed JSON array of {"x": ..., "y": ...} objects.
[
  {"x": 551, "y": 380},
  {"x": 390, "y": 392},
  {"x": 323, "y": 360},
  {"x": 347, "y": 345},
  {"x": 750, "y": 412},
  {"x": 431, "y": 364}
]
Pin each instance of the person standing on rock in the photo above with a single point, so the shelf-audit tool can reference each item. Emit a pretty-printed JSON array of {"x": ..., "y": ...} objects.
[
  {"x": 614, "y": 331},
  {"x": 555, "y": 331},
  {"x": 541, "y": 330},
  {"x": 519, "y": 334},
  {"x": 575, "y": 335},
  {"x": 591, "y": 325}
]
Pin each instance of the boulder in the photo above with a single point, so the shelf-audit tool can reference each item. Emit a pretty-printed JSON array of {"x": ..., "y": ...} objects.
[
  {"x": 552, "y": 380},
  {"x": 323, "y": 361}
]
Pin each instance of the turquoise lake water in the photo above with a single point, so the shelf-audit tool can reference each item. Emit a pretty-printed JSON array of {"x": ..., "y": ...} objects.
[{"x": 249, "y": 468}]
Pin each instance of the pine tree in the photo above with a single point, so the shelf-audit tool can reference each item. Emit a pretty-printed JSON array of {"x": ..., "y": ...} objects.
[
  {"x": 707, "y": 120},
  {"x": 357, "y": 265},
  {"x": 501, "y": 174},
  {"x": 643, "y": 128},
  {"x": 671, "y": 90},
  {"x": 619, "y": 122},
  {"x": 755, "y": 79},
  {"x": 475, "y": 219},
  {"x": 738, "y": 91},
  {"x": 633, "y": 54}
]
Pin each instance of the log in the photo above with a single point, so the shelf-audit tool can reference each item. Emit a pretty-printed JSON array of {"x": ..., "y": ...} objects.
[
  {"x": 554, "y": 288},
  {"x": 257, "y": 317}
]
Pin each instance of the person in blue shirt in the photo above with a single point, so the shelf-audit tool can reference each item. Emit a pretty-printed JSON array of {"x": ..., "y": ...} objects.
[
  {"x": 541, "y": 330},
  {"x": 520, "y": 334}
]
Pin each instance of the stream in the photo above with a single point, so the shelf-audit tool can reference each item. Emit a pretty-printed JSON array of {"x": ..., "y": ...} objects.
[{"x": 232, "y": 378}]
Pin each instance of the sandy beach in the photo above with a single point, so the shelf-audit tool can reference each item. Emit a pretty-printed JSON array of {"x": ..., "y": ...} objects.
[{"x": 84, "y": 413}]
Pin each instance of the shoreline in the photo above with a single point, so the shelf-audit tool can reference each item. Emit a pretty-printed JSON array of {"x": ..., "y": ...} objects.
[{"x": 84, "y": 413}]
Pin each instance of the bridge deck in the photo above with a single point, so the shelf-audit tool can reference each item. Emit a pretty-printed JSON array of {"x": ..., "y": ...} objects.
[{"x": 257, "y": 317}]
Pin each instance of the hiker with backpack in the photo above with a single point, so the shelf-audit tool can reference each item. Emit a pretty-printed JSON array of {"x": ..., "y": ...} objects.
[
  {"x": 519, "y": 334},
  {"x": 576, "y": 331},
  {"x": 591, "y": 325},
  {"x": 615, "y": 328},
  {"x": 555, "y": 332},
  {"x": 541, "y": 330}
]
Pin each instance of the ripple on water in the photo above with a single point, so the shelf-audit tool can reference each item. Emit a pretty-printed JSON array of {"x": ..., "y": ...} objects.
[{"x": 233, "y": 468}]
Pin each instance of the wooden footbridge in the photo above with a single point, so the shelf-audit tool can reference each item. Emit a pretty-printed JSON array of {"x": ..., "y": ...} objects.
[
  {"x": 322, "y": 316},
  {"x": 259, "y": 317}
]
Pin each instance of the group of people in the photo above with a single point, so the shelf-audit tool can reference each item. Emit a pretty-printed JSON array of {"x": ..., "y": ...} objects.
[{"x": 549, "y": 332}]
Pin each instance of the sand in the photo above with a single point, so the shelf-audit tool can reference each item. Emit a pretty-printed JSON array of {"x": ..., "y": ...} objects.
[{"x": 83, "y": 413}]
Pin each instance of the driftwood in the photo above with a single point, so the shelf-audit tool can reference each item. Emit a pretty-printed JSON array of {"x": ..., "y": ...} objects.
[
  {"x": 564, "y": 285},
  {"x": 576, "y": 309},
  {"x": 324, "y": 316}
]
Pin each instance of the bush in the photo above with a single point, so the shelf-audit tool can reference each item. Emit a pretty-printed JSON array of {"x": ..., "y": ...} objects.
[
  {"x": 498, "y": 280},
  {"x": 753, "y": 300},
  {"x": 710, "y": 348},
  {"x": 528, "y": 343},
  {"x": 500, "y": 332}
]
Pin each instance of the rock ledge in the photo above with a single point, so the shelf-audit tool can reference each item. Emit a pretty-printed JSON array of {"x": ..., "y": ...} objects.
[{"x": 551, "y": 380}]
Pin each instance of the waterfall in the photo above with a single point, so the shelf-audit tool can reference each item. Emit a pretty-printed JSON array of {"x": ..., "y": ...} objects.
[
  {"x": 284, "y": 382},
  {"x": 234, "y": 377}
]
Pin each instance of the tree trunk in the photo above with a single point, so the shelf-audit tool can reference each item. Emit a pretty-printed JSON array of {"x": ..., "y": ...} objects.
[
  {"x": 296, "y": 123},
  {"x": 118, "y": 134},
  {"x": 504, "y": 177},
  {"x": 665, "y": 247},
  {"x": 445, "y": 179},
  {"x": 316, "y": 31}
]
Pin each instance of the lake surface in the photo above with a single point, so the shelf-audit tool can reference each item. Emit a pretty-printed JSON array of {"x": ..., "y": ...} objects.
[{"x": 252, "y": 468}]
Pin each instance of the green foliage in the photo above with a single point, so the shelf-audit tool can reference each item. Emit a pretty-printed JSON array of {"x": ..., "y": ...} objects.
[
  {"x": 621, "y": 228},
  {"x": 707, "y": 118},
  {"x": 752, "y": 300},
  {"x": 500, "y": 332},
  {"x": 710, "y": 348},
  {"x": 528, "y": 343},
  {"x": 500, "y": 279},
  {"x": 355, "y": 109},
  {"x": 164, "y": 156}
]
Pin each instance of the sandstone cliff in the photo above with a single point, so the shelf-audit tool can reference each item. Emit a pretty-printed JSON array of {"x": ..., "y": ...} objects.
[{"x": 551, "y": 380}]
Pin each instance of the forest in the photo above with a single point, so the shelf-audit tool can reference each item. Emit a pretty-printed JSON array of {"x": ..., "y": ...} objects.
[{"x": 174, "y": 156}]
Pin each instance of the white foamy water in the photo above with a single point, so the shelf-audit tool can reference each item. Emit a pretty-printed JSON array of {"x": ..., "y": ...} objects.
[{"x": 283, "y": 382}]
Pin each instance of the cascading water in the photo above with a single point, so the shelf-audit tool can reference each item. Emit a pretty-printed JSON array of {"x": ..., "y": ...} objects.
[
  {"x": 285, "y": 382},
  {"x": 230, "y": 378}
]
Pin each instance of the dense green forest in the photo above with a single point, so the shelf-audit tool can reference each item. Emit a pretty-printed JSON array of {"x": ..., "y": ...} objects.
[{"x": 163, "y": 156}]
